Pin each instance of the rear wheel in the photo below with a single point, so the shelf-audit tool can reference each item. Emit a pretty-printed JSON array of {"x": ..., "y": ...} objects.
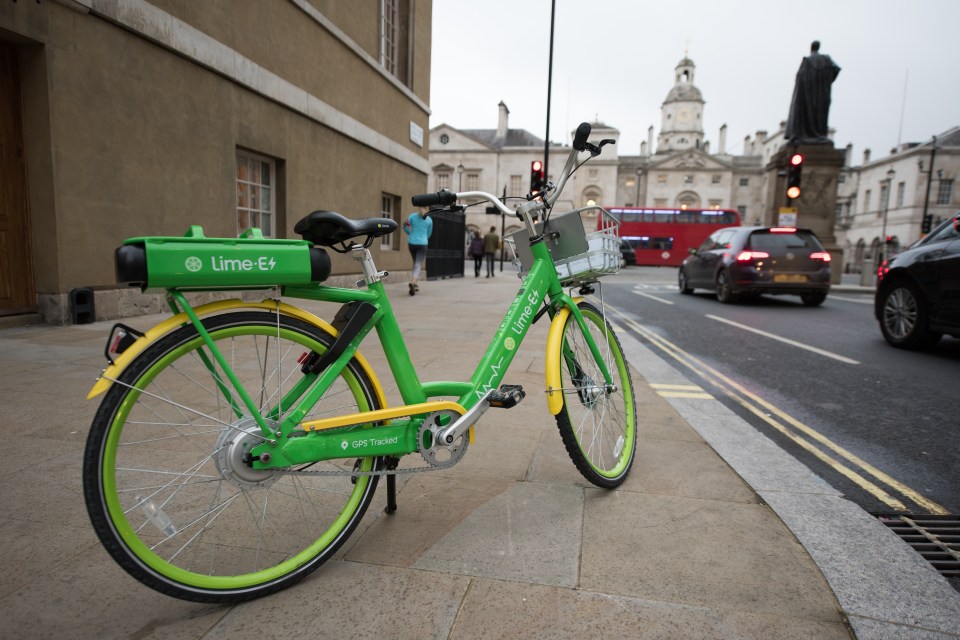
[
  {"x": 166, "y": 484},
  {"x": 598, "y": 425},
  {"x": 813, "y": 299},
  {"x": 724, "y": 289},
  {"x": 904, "y": 318}
]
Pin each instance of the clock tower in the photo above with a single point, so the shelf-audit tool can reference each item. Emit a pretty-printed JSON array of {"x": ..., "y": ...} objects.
[{"x": 682, "y": 113}]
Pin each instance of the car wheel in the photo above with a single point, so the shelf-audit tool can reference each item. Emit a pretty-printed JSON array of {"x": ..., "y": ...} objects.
[
  {"x": 724, "y": 290},
  {"x": 903, "y": 317},
  {"x": 683, "y": 282},
  {"x": 813, "y": 299}
]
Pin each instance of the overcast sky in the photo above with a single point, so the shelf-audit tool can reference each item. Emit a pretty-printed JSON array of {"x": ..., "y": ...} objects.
[{"x": 614, "y": 61}]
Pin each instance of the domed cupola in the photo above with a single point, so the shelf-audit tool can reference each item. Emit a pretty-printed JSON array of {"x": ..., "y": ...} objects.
[{"x": 682, "y": 113}]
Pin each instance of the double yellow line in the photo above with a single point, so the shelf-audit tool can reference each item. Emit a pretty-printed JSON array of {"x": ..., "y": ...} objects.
[{"x": 804, "y": 436}]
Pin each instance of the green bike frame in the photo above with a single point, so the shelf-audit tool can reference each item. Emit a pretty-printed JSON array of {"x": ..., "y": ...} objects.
[{"x": 287, "y": 444}]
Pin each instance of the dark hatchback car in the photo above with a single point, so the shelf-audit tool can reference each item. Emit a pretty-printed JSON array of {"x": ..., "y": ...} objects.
[
  {"x": 918, "y": 291},
  {"x": 738, "y": 261}
]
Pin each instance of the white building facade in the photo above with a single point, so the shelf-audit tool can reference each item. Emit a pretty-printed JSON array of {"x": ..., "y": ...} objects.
[{"x": 681, "y": 171}]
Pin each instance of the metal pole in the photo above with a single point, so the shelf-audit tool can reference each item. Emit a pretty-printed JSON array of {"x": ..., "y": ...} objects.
[
  {"x": 503, "y": 228},
  {"x": 926, "y": 199},
  {"x": 546, "y": 143}
]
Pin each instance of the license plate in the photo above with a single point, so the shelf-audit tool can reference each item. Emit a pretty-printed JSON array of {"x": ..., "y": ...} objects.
[{"x": 789, "y": 277}]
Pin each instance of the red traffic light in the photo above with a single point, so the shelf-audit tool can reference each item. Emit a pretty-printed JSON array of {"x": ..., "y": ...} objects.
[
  {"x": 796, "y": 159},
  {"x": 537, "y": 165},
  {"x": 793, "y": 192}
]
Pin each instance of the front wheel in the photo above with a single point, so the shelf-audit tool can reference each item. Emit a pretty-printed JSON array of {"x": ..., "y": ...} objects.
[
  {"x": 167, "y": 483},
  {"x": 904, "y": 317},
  {"x": 683, "y": 282},
  {"x": 598, "y": 424}
]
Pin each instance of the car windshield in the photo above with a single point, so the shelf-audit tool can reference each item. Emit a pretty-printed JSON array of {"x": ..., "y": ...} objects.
[{"x": 784, "y": 240}]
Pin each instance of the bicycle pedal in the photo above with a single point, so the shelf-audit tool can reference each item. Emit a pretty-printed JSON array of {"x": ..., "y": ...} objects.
[{"x": 507, "y": 396}]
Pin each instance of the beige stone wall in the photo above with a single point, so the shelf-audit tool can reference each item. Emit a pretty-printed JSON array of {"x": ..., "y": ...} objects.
[{"x": 134, "y": 111}]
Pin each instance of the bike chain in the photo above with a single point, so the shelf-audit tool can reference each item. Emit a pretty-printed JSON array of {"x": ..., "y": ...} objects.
[{"x": 432, "y": 466}]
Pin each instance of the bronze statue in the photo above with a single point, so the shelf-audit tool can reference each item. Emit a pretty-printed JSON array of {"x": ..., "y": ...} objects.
[{"x": 807, "y": 122}]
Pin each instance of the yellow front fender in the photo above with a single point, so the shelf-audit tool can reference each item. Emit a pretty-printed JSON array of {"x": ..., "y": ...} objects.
[
  {"x": 552, "y": 362},
  {"x": 170, "y": 324}
]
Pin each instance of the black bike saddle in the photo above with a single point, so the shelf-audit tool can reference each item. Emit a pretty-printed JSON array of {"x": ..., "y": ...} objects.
[{"x": 327, "y": 228}]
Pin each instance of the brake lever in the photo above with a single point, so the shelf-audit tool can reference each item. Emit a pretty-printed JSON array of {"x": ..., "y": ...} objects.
[{"x": 595, "y": 149}]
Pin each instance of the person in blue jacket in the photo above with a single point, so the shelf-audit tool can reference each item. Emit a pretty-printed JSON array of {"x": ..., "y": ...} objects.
[{"x": 419, "y": 229}]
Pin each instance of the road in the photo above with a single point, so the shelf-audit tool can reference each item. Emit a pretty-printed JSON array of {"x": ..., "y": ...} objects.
[{"x": 877, "y": 423}]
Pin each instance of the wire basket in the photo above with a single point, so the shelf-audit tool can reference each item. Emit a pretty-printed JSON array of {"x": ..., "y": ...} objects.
[{"x": 575, "y": 267}]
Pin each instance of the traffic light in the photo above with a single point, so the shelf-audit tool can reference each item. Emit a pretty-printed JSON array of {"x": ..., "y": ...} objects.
[
  {"x": 927, "y": 223},
  {"x": 537, "y": 180},
  {"x": 794, "y": 169}
]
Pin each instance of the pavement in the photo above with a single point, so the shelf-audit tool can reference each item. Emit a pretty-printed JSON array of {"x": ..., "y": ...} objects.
[{"x": 717, "y": 533}]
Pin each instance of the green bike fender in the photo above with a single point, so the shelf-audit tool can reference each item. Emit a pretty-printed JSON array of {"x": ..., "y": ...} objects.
[{"x": 170, "y": 324}]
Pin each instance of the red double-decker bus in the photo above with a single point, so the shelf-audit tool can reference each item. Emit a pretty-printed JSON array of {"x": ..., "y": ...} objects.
[{"x": 663, "y": 237}]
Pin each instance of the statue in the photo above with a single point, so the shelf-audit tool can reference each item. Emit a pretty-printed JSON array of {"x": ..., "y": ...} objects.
[{"x": 807, "y": 122}]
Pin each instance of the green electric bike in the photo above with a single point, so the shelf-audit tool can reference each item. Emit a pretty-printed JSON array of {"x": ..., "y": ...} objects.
[{"x": 238, "y": 444}]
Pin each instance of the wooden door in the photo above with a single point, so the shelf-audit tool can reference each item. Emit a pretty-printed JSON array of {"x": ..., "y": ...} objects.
[{"x": 17, "y": 291}]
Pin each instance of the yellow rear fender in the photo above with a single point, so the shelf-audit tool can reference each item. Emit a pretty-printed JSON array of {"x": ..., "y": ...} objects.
[{"x": 170, "y": 324}]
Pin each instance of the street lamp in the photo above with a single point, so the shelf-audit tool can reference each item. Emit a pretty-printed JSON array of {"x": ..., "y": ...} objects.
[
  {"x": 460, "y": 176},
  {"x": 886, "y": 208}
]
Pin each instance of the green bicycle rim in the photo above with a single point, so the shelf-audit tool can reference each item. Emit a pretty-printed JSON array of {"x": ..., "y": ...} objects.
[
  {"x": 631, "y": 426},
  {"x": 201, "y": 581}
]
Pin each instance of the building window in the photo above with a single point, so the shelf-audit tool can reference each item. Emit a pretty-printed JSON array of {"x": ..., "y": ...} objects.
[
  {"x": 884, "y": 196},
  {"x": 945, "y": 192},
  {"x": 742, "y": 210},
  {"x": 866, "y": 200},
  {"x": 256, "y": 193},
  {"x": 715, "y": 179},
  {"x": 394, "y": 38},
  {"x": 443, "y": 181},
  {"x": 390, "y": 208},
  {"x": 841, "y": 178},
  {"x": 744, "y": 182},
  {"x": 901, "y": 187},
  {"x": 715, "y": 204},
  {"x": 661, "y": 178},
  {"x": 473, "y": 181},
  {"x": 516, "y": 185},
  {"x": 660, "y": 203},
  {"x": 688, "y": 179}
]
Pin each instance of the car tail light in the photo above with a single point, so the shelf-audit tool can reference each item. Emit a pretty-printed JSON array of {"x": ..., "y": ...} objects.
[
  {"x": 882, "y": 270},
  {"x": 820, "y": 255},
  {"x": 783, "y": 230},
  {"x": 750, "y": 256}
]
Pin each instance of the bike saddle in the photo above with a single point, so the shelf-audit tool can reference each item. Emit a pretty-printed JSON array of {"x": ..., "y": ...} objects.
[{"x": 327, "y": 228}]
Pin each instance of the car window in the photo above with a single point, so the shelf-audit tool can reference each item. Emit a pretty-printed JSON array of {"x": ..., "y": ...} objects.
[
  {"x": 710, "y": 242},
  {"x": 946, "y": 232},
  {"x": 780, "y": 240}
]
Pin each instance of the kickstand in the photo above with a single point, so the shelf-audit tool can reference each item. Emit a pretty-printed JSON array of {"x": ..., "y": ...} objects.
[{"x": 392, "y": 464}]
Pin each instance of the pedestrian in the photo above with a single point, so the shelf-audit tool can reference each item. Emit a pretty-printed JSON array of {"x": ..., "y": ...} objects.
[
  {"x": 419, "y": 227},
  {"x": 476, "y": 252},
  {"x": 491, "y": 242}
]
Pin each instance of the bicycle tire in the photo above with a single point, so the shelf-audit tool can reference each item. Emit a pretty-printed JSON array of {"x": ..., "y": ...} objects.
[
  {"x": 599, "y": 429},
  {"x": 170, "y": 504}
]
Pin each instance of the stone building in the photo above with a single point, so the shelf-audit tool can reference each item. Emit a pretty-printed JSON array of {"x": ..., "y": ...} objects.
[
  {"x": 128, "y": 118},
  {"x": 680, "y": 171}
]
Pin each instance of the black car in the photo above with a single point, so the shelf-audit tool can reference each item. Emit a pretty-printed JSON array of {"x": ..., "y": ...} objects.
[
  {"x": 738, "y": 261},
  {"x": 918, "y": 290},
  {"x": 628, "y": 253}
]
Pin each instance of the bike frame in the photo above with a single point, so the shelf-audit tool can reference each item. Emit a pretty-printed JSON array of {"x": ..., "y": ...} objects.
[{"x": 384, "y": 432}]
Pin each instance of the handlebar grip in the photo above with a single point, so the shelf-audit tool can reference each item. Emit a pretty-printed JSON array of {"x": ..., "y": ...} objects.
[
  {"x": 580, "y": 138},
  {"x": 442, "y": 197}
]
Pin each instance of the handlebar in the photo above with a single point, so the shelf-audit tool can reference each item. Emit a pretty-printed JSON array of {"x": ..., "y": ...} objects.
[
  {"x": 539, "y": 202},
  {"x": 442, "y": 197}
]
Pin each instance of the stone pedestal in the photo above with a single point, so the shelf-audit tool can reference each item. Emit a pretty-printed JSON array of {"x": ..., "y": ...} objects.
[{"x": 817, "y": 204}]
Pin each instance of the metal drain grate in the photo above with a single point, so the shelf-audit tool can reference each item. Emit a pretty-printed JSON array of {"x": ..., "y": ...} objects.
[{"x": 936, "y": 538}]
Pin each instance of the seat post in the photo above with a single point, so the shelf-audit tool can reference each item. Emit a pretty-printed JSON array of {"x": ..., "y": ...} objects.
[{"x": 370, "y": 274}]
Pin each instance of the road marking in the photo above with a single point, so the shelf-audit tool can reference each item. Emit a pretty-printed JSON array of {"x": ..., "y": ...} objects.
[
  {"x": 761, "y": 408},
  {"x": 681, "y": 391},
  {"x": 793, "y": 343},
  {"x": 857, "y": 300},
  {"x": 647, "y": 295}
]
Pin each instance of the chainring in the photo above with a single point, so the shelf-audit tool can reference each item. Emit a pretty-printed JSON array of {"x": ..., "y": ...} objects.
[{"x": 438, "y": 454}]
